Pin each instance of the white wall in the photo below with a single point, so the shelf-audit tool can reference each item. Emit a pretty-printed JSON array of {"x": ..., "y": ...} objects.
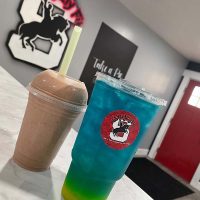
[{"x": 156, "y": 66}]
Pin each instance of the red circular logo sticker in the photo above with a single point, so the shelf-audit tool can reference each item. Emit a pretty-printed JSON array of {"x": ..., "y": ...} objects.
[{"x": 120, "y": 129}]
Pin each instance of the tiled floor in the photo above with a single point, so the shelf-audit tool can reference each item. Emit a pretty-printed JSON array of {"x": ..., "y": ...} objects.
[{"x": 194, "y": 196}]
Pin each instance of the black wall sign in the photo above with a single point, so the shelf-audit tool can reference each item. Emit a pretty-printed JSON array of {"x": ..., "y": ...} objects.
[{"x": 111, "y": 54}]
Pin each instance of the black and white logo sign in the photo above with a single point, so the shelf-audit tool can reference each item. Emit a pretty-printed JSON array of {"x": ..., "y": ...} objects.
[{"x": 42, "y": 36}]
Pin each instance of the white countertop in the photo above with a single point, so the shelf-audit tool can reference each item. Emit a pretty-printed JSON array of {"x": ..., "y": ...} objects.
[{"x": 19, "y": 184}]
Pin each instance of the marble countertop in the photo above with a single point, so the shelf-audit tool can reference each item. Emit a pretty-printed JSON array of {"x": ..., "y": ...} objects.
[{"x": 19, "y": 184}]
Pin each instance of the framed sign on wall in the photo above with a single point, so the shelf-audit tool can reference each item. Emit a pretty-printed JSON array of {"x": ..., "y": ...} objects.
[
  {"x": 41, "y": 37},
  {"x": 111, "y": 54}
]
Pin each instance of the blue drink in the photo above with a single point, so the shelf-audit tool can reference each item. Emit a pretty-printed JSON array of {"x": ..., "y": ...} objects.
[{"x": 116, "y": 120}]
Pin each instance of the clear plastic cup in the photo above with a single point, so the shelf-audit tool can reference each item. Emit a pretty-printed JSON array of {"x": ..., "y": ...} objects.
[
  {"x": 117, "y": 118},
  {"x": 53, "y": 105}
]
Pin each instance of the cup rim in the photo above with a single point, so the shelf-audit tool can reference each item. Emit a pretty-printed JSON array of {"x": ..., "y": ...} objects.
[
  {"x": 127, "y": 87},
  {"x": 65, "y": 105}
]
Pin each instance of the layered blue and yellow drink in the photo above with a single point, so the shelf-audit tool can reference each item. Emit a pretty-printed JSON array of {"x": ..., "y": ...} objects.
[{"x": 116, "y": 120}]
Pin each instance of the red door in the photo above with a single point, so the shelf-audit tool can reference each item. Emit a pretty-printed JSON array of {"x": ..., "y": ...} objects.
[{"x": 180, "y": 149}]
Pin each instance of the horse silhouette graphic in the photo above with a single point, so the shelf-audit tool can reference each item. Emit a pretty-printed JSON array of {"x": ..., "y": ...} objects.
[
  {"x": 120, "y": 130},
  {"x": 48, "y": 29}
]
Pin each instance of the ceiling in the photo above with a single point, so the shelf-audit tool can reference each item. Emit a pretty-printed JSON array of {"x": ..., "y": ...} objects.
[{"x": 176, "y": 21}]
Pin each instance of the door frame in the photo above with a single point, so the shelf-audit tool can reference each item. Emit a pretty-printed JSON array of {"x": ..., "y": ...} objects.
[
  {"x": 195, "y": 182},
  {"x": 187, "y": 76}
]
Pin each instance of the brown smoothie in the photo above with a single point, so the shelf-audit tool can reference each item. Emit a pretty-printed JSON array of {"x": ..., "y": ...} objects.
[{"x": 54, "y": 103}]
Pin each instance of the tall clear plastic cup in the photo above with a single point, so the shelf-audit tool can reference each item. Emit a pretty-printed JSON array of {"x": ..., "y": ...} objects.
[
  {"x": 117, "y": 118},
  {"x": 54, "y": 103}
]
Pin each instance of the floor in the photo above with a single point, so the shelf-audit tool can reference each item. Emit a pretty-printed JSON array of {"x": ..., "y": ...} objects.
[{"x": 194, "y": 196}]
